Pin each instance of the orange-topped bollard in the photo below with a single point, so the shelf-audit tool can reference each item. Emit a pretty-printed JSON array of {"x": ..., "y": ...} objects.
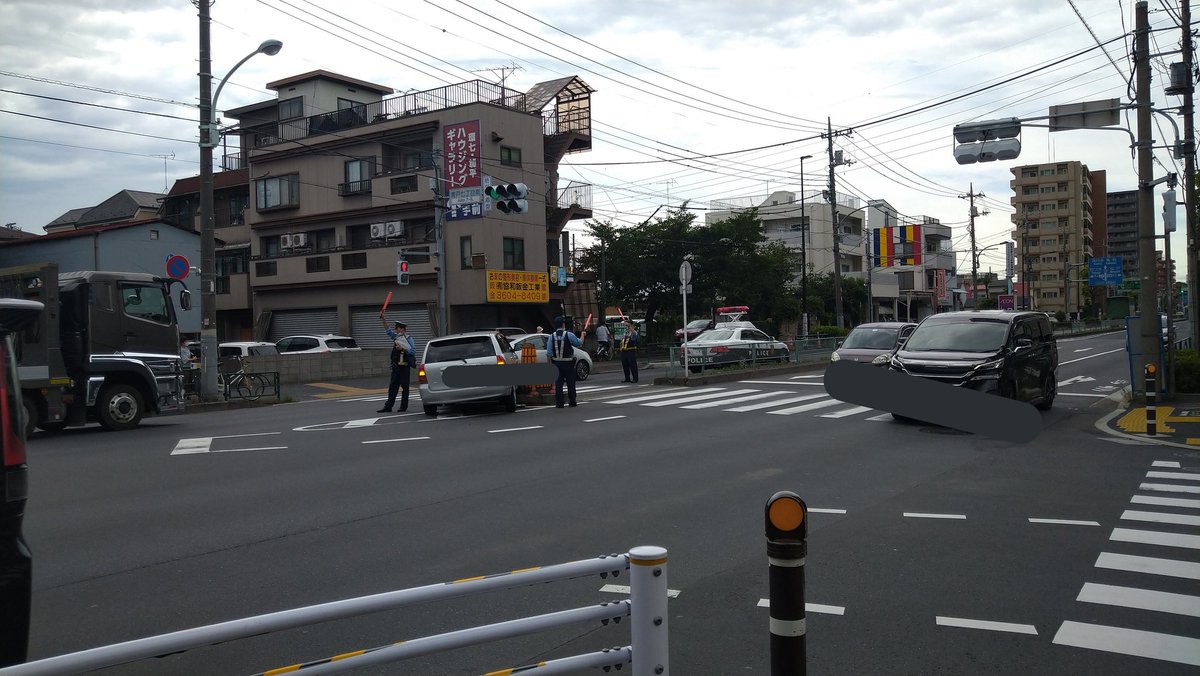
[
  {"x": 787, "y": 547},
  {"x": 1151, "y": 400}
]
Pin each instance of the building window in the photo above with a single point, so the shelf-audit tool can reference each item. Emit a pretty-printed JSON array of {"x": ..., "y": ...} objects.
[
  {"x": 423, "y": 228},
  {"x": 514, "y": 253},
  {"x": 358, "y": 236},
  {"x": 464, "y": 250},
  {"x": 1048, "y": 189},
  {"x": 1049, "y": 241},
  {"x": 317, "y": 264},
  {"x": 1029, "y": 173},
  {"x": 404, "y": 184},
  {"x": 237, "y": 209},
  {"x": 270, "y": 246},
  {"x": 354, "y": 261},
  {"x": 510, "y": 157},
  {"x": 234, "y": 264},
  {"x": 1029, "y": 190},
  {"x": 359, "y": 172},
  {"x": 291, "y": 108},
  {"x": 265, "y": 269},
  {"x": 276, "y": 193}
]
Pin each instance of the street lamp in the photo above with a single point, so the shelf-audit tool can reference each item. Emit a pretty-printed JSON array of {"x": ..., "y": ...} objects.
[
  {"x": 803, "y": 254},
  {"x": 209, "y": 137}
]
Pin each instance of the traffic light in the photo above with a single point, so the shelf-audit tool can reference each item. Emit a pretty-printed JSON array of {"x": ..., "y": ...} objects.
[
  {"x": 511, "y": 198},
  {"x": 987, "y": 141},
  {"x": 402, "y": 272},
  {"x": 1169, "y": 210}
]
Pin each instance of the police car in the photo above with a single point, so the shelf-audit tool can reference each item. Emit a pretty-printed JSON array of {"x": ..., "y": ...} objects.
[{"x": 732, "y": 345}]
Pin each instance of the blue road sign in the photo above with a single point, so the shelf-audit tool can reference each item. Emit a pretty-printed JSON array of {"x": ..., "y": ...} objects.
[
  {"x": 177, "y": 267},
  {"x": 1106, "y": 271}
]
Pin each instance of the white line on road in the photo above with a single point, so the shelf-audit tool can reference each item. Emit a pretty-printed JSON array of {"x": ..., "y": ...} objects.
[
  {"x": 811, "y": 607},
  {"x": 1085, "y": 349},
  {"x": 516, "y": 429},
  {"x": 1180, "y": 476},
  {"x": 1170, "y": 488},
  {"x": 809, "y": 376},
  {"x": 775, "y": 402},
  {"x": 806, "y": 407},
  {"x": 1065, "y": 522},
  {"x": 611, "y": 417},
  {"x": 1126, "y": 442},
  {"x": 735, "y": 400},
  {"x": 1149, "y": 565},
  {"x": 925, "y": 515},
  {"x": 1161, "y": 517},
  {"x": 780, "y": 382},
  {"x": 688, "y": 399},
  {"x": 1142, "y": 599},
  {"x": 1165, "y": 502},
  {"x": 1091, "y": 356},
  {"x": 820, "y": 510},
  {"x": 1081, "y": 394},
  {"x": 881, "y": 417},
  {"x": 987, "y": 624},
  {"x": 624, "y": 589},
  {"x": 1166, "y": 463},
  {"x": 204, "y": 444},
  {"x": 1153, "y": 537},
  {"x": 1153, "y": 645},
  {"x": 661, "y": 395},
  {"x": 258, "y": 448},
  {"x": 847, "y": 412},
  {"x": 388, "y": 441}
]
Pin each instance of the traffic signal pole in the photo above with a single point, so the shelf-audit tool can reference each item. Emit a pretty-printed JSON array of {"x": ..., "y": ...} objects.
[
  {"x": 1149, "y": 329},
  {"x": 1189, "y": 176}
]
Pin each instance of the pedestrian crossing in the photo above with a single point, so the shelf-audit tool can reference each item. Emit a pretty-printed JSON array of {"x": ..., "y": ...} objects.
[
  {"x": 740, "y": 397},
  {"x": 1150, "y": 573}
]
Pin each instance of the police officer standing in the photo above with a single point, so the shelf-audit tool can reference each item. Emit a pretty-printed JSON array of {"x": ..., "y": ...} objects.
[
  {"x": 560, "y": 349},
  {"x": 403, "y": 358},
  {"x": 629, "y": 351}
]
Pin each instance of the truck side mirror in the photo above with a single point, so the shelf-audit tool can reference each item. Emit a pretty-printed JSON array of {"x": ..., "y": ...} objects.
[{"x": 185, "y": 299}]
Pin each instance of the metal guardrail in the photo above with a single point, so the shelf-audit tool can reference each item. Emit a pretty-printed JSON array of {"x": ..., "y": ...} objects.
[
  {"x": 646, "y": 608},
  {"x": 748, "y": 356},
  {"x": 1076, "y": 328}
]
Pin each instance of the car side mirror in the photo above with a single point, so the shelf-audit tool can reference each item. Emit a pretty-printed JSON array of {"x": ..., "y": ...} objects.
[{"x": 1024, "y": 343}]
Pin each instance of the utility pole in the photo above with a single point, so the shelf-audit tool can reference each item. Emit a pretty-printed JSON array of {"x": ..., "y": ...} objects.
[
  {"x": 971, "y": 195},
  {"x": 834, "y": 224},
  {"x": 208, "y": 247},
  {"x": 439, "y": 211},
  {"x": 1151, "y": 332},
  {"x": 1189, "y": 174},
  {"x": 804, "y": 221}
]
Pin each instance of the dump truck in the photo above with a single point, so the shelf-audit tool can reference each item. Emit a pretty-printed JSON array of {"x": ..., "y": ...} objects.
[{"x": 106, "y": 348}]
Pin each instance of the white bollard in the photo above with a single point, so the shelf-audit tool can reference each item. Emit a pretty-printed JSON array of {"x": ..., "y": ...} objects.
[{"x": 648, "y": 593}]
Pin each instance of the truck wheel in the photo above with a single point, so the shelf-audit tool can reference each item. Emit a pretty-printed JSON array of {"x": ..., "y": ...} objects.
[
  {"x": 31, "y": 415},
  {"x": 120, "y": 407}
]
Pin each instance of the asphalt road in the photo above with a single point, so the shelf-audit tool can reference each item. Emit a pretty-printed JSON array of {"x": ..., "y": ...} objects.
[{"x": 930, "y": 551}]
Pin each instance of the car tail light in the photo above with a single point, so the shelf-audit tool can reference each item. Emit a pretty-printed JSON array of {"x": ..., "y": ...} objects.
[
  {"x": 719, "y": 348},
  {"x": 500, "y": 359},
  {"x": 10, "y": 421},
  {"x": 421, "y": 375}
]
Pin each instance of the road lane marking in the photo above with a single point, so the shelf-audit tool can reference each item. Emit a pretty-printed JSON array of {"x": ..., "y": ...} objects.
[
  {"x": 1142, "y": 599},
  {"x": 1166, "y": 502},
  {"x": 986, "y": 624},
  {"x": 821, "y": 510},
  {"x": 693, "y": 398},
  {"x": 1149, "y": 565},
  {"x": 926, "y": 515},
  {"x": 1152, "y": 537},
  {"x": 881, "y": 417},
  {"x": 1085, "y": 349},
  {"x": 1065, "y": 522},
  {"x": 661, "y": 395},
  {"x": 776, "y": 402},
  {"x": 809, "y": 376},
  {"x": 1169, "y": 488},
  {"x": 806, "y": 407},
  {"x": 1161, "y": 517},
  {"x": 735, "y": 400},
  {"x": 1081, "y": 394},
  {"x": 847, "y": 412},
  {"x": 624, "y": 589},
  {"x": 780, "y": 382},
  {"x": 811, "y": 607},
  {"x": 599, "y": 388},
  {"x": 257, "y": 448},
  {"x": 388, "y": 441},
  {"x": 516, "y": 429},
  {"x": 204, "y": 444},
  {"x": 1180, "y": 476},
  {"x": 611, "y": 417},
  {"x": 1091, "y": 356},
  {"x": 1166, "y": 647},
  {"x": 1126, "y": 442},
  {"x": 1165, "y": 463}
]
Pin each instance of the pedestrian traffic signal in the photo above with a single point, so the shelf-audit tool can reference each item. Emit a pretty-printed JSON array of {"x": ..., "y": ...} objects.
[
  {"x": 511, "y": 198},
  {"x": 402, "y": 273},
  {"x": 1169, "y": 210}
]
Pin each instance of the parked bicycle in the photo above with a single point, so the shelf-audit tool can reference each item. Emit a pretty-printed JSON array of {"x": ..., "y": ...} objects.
[{"x": 248, "y": 386}]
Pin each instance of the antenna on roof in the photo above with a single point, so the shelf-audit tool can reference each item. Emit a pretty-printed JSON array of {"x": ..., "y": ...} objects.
[
  {"x": 164, "y": 159},
  {"x": 504, "y": 71}
]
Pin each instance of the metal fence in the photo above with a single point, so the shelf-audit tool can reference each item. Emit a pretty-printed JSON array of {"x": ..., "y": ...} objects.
[{"x": 646, "y": 609}]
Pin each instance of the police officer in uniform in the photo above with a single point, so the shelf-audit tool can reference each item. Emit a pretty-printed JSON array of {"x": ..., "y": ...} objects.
[{"x": 403, "y": 358}]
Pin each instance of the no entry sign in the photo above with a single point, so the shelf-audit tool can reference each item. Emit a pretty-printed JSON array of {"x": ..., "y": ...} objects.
[{"x": 177, "y": 267}]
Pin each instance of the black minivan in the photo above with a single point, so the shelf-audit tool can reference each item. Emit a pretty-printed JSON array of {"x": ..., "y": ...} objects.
[{"x": 1013, "y": 354}]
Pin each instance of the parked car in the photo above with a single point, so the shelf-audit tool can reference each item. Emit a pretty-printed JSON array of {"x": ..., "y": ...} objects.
[
  {"x": 694, "y": 329},
  {"x": 246, "y": 349},
  {"x": 583, "y": 365},
  {"x": 16, "y": 563},
  {"x": 873, "y": 343},
  {"x": 1012, "y": 354},
  {"x": 473, "y": 348},
  {"x": 315, "y": 344},
  {"x": 734, "y": 345}
]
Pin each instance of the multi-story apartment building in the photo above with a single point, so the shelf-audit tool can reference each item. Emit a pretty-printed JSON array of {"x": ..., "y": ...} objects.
[
  {"x": 1122, "y": 230},
  {"x": 1058, "y": 224},
  {"x": 342, "y": 179}
]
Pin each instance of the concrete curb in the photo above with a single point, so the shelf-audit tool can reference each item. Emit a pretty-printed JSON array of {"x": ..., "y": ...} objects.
[{"x": 1104, "y": 424}]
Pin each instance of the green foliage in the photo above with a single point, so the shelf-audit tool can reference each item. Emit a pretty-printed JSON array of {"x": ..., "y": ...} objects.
[
  {"x": 821, "y": 299},
  {"x": 986, "y": 303},
  {"x": 1187, "y": 371},
  {"x": 1060, "y": 315},
  {"x": 827, "y": 331}
]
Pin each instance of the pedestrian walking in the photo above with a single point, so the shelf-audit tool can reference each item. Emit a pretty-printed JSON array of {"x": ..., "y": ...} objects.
[
  {"x": 403, "y": 358},
  {"x": 561, "y": 350},
  {"x": 629, "y": 351}
]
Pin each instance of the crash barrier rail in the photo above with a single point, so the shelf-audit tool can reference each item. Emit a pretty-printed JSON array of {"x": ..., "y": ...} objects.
[
  {"x": 646, "y": 608},
  {"x": 742, "y": 356}
]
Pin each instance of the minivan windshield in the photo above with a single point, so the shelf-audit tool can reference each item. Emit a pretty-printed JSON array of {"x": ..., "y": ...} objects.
[
  {"x": 971, "y": 336},
  {"x": 871, "y": 339}
]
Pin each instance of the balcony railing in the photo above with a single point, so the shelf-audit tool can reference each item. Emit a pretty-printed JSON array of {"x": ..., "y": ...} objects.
[
  {"x": 575, "y": 195},
  {"x": 354, "y": 187},
  {"x": 232, "y": 161}
]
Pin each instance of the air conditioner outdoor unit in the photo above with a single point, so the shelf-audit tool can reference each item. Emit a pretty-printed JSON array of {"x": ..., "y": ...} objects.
[
  {"x": 378, "y": 230},
  {"x": 285, "y": 241},
  {"x": 395, "y": 228},
  {"x": 300, "y": 239}
]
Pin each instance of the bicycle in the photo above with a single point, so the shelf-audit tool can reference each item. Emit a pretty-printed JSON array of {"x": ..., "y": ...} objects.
[
  {"x": 249, "y": 386},
  {"x": 602, "y": 351}
]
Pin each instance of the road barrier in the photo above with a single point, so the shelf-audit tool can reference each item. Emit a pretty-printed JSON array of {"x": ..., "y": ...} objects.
[
  {"x": 646, "y": 607},
  {"x": 787, "y": 547}
]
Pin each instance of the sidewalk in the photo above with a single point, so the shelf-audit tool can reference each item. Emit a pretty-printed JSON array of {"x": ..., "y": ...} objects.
[{"x": 1177, "y": 422}]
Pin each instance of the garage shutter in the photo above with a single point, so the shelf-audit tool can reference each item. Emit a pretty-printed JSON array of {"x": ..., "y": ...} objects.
[
  {"x": 370, "y": 334},
  {"x": 286, "y": 323}
]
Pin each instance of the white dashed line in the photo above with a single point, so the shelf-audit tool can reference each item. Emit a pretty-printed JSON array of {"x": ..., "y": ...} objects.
[
  {"x": 811, "y": 607},
  {"x": 986, "y": 624},
  {"x": 516, "y": 429},
  {"x": 1065, "y": 522},
  {"x": 388, "y": 441},
  {"x": 922, "y": 515},
  {"x": 611, "y": 417},
  {"x": 819, "y": 510}
]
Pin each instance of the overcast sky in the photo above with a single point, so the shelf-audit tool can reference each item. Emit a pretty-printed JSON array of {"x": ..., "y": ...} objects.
[{"x": 96, "y": 97}]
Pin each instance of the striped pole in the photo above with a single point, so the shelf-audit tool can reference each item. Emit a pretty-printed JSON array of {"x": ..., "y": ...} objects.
[
  {"x": 787, "y": 546},
  {"x": 1151, "y": 399}
]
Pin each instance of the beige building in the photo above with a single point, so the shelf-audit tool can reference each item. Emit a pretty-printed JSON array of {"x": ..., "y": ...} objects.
[
  {"x": 339, "y": 180},
  {"x": 1056, "y": 228}
]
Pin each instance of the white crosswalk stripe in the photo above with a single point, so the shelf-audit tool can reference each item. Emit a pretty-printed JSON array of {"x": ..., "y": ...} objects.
[
  {"x": 732, "y": 399},
  {"x": 699, "y": 397}
]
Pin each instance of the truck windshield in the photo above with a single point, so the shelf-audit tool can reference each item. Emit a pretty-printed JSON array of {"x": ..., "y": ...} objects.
[{"x": 145, "y": 302}]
